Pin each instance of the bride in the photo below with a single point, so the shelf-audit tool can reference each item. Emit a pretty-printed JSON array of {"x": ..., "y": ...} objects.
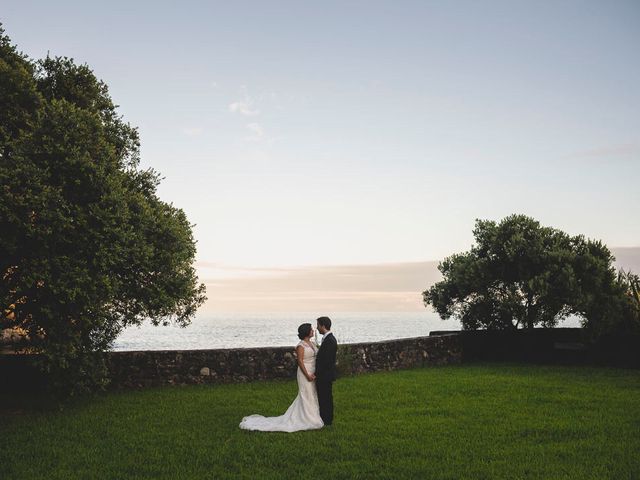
[{"x": 304, "y": 412}]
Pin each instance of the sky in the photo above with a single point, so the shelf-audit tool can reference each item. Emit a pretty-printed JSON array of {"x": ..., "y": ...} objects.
[{"x": 321, "y": 135}]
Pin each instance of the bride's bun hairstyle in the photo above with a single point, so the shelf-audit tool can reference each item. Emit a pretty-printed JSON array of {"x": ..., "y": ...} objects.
[{"x": 304, "y": 330}]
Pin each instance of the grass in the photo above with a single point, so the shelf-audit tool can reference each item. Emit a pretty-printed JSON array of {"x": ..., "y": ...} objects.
[{"x": 480, "y": 421}]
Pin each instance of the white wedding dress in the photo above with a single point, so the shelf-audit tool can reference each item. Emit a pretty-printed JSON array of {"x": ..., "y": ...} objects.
[{"x": 304, "y": 412}]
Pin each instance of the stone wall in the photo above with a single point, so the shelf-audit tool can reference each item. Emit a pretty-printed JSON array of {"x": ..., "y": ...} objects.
[
  {"x": 154, "y": 368},
  {"x": 181, "y": 367}
]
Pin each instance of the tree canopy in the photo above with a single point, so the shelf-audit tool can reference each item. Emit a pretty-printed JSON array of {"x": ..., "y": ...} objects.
[
  {"x": 86, "y": 246},
  {"x": 520, "y": 274}
]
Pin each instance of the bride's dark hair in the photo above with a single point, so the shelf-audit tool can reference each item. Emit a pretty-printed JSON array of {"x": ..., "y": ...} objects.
[{"x": 304, "y": 330}]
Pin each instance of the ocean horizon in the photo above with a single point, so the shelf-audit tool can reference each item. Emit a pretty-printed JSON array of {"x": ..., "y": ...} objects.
[{"x": 248, "y": 330}]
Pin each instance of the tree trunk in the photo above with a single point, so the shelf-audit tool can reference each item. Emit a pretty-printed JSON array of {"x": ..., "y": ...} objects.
[{"x": 530, "y": 311}]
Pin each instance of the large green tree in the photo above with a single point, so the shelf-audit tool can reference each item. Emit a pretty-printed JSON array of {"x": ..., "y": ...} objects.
[
  {"x": 520, "y": 274},
  {"x": 86, "y": 246}
]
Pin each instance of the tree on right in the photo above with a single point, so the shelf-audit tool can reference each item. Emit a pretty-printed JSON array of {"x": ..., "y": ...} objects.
[{"x": 521, "y": 274}]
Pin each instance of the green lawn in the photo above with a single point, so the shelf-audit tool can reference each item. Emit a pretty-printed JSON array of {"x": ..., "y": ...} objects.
[{"x": 485, "y": 421}]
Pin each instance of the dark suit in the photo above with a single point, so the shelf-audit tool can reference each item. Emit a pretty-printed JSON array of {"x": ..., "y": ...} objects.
[{"x": 325, "y": 375}]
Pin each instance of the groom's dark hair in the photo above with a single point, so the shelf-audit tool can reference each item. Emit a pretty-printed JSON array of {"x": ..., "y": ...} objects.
[{"x": 325, "y": 322}]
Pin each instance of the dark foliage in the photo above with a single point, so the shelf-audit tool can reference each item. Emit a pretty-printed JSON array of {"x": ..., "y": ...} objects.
[
  {"x": 86, "y": 246},
  {"x": 520, "y": 274}
]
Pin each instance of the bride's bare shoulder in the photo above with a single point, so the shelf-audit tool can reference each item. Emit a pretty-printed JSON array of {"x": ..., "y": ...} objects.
[{"x": 304, "y": 344}]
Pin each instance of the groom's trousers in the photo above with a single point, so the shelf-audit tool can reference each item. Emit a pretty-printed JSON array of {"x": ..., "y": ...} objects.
[{"x": 325, "y": 399}]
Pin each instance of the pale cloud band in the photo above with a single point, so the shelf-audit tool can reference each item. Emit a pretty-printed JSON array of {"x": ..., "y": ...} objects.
[
  {"x": 347, "y": 288},
  {"x": 387, "y": 287}
]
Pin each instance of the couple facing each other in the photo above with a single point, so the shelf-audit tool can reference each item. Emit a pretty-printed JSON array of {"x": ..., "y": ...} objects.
[{"x": 313, "y": 407}]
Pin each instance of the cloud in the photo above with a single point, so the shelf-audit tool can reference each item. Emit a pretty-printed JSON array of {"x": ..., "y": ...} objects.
[
  {"x": 378, "y": 287},
  {"x": 244, "y": 107},
  {"x": 385, "y": 287},
  {"x": 257, "y": 133},
  {"x": 627, "y": 258},
  {"x": 216, "y": 271},
  {"x": 224, "y": 266}
]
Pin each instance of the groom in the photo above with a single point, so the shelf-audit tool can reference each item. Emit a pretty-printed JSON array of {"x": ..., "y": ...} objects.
[{"x": 326, "y": 369}]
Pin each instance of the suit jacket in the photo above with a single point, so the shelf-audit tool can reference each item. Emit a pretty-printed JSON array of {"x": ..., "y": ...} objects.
[{"x": 326, "y": 358}]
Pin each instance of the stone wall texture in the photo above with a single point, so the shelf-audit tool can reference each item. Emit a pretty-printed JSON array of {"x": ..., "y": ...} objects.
[
  {"x": 136, "y": 369},
  {"x": 184, "y": 367},
  {"x": 178, "y": 367}
]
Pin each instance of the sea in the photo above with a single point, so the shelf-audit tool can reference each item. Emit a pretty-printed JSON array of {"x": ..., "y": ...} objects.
[{"x": 246, "y": 330}]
